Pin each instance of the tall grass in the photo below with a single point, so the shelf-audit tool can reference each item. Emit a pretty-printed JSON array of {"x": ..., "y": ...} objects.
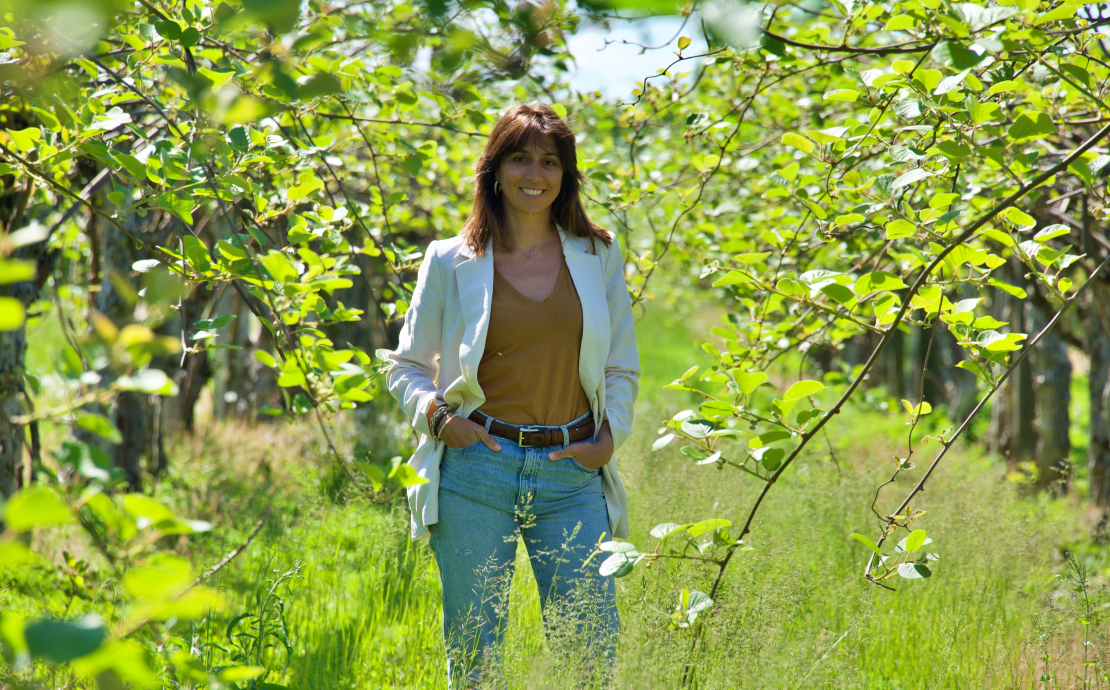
[
  {"x": 795, "y": 611},
  {"x": 1001, "y": 610}
]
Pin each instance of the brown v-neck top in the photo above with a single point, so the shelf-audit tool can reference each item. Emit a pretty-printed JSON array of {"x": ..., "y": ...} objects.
[{"x": 529, "y": 369}]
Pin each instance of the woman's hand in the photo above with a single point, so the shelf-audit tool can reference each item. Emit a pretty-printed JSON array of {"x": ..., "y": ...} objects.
[
  {"x": 590, "y": 455},
  {"x": 460, "y": 432}
]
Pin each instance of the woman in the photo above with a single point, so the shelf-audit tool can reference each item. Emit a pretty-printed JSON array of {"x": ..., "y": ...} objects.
[{"x": 518, "y": 364}]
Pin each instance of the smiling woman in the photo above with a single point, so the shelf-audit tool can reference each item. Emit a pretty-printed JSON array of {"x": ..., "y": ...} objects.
[{"x": 518, "y": 363}]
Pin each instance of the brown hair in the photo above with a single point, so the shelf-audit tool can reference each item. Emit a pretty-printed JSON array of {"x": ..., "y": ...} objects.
[{"x": 520, "y": 126}]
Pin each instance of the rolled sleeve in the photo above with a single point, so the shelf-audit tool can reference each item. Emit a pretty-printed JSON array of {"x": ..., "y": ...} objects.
[
  {"x": 622, "y": 367},
  {"x": 414, "y": 364}
]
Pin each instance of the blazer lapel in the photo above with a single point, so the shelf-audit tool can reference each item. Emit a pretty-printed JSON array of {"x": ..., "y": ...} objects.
[
  {"x": 475, "y": 282},
  {"x": 586, "y": 271}
]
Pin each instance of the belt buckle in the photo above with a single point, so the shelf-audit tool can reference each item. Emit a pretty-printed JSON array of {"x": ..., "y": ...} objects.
[{"x": 525, "y": 430}]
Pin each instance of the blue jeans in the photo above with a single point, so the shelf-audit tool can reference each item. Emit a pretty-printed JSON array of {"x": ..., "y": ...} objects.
[{"x": 488, "y": 501}]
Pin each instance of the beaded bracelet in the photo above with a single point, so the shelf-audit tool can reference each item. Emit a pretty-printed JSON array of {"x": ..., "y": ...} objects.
[
  {"x": 440, "y": 423},
  {"x": 436, "y": 418}
]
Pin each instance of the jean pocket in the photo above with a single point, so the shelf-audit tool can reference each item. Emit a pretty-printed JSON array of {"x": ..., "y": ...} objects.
[
  {"x": 466, "y": 449},
  {"x": 581, "y": 466}
]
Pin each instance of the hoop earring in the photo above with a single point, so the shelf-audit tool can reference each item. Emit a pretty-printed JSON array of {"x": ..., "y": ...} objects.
[{"x": 496, "y": 188}]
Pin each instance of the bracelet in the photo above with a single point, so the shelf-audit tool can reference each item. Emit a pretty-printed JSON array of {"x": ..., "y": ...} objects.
[
  {"x": 442, "y": 422},
  {"x": 436, "y": 418}
]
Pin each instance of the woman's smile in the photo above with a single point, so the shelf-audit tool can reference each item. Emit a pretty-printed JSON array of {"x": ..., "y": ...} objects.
[{"x": 531, "y": 177}]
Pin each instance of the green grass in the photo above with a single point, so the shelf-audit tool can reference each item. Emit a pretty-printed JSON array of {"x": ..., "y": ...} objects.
[{"x": 363, "y": 611}]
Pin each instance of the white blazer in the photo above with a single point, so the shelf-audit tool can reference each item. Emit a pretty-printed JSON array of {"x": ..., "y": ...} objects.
[{"x": 444, "y": 337}]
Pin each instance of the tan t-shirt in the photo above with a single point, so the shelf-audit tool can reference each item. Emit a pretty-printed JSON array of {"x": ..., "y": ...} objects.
[{"x": 529, "y": 369}]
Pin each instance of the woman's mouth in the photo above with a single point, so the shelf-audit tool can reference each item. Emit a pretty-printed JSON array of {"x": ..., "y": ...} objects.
[{"x": 531, "y": 192}]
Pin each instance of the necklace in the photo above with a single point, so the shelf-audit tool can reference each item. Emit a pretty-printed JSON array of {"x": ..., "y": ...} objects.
[{"x": 534, "y": 254}]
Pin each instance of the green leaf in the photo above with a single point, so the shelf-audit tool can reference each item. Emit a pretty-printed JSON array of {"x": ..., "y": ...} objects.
[
  {"x": 798, "y": 142},
  {"x": 321, "y": 84},
  {"x": 694, "y": 601},
  {"x": 1003, "y": 87},
  {"x": 14, "y": 554},
  {"x": 266, "y": 358},
  {"x": 749, "y": 381},
  {"x": 35, "y": 506},
  {"x": 767, "y": 438},
  {"x": 291, "y": 378},
  {"x": 909, "y": 108},
  {"x": 751, "y": 257},
  {"x": 899, "y": 229},
  {"x": 180, "y": 206},
  {"x": 803, "y": 389},
  {"x": 915, "y": 540},
  {"x": 878, "y": 281},
  {"x": 127, "y": 659},
  {"x": 954, "y": 150},
  {"x": 16, "y": 270},
  {"x": 662, "y": 442},
  {"x": 900, "y": 22},
  {"x": 149, "y": 381},
  {"x": 850, "y": 218},
  {"x": 986, "y": 323},
  {"x": 867, "y": 542},
  {"x": 950, "y": 83},
  {"x": 1066, "y": 11},
  {"x": 838, "y": 293},
  {"x": 845, "y": 95},
  {"x": 99, "y": 425},
  {"x": 63, "y": 641},
  {"x": 955, "y": 55},
  {"x": 306, "y": 185},
  {"x": 1018, "y": 217},
  {"x": 406, "y": 476},
  {"x": 24, "y": 139},
  {"x": 909, "y": 177},
  {"x": 247, "y": 109},
  {"x": 732, "y": 278},
  {"x": 914, "y": 571},
  {"x": 667, "y": 529},
  {"x": 1000, "y": 237},
  {"x": 1043, "y": 235},
  {"x": 683, "y": 43},
  {"x": 190, "y": 37},
  {"x": 771, "y": 458},
  {"x": 48, "y": 120},
  {"x": 942, "y": 200},
  {"x": 700, "y": 528},
  {"x": 236, "y": 674},
  {"x": 619, "y": 564},
  {"x": 218, "y": 78},
  {"x": 279, "y": 267},
  {"x": 1029, "y": 125},
  {"x": 162, "y": 576},
  {"x": 374, "y": 473}
]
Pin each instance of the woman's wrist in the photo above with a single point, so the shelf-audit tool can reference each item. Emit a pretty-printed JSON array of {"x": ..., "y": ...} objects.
[{"x": 442, "y": 422}]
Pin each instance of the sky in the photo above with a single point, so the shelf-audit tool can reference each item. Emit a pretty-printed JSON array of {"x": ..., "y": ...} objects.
[{"x": 615, "y": 69}]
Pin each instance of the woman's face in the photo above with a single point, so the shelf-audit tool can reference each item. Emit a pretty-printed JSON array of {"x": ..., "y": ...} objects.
[{"x": 532, "y": 177}]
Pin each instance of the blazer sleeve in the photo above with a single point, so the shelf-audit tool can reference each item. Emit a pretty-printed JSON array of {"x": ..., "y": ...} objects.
[
  {"x": 622, "y": 367},
  {"x": 414, "y": 364}
]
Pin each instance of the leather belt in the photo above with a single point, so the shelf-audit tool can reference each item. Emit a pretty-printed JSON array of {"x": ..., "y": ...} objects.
[{"x": 535, "y": 436}]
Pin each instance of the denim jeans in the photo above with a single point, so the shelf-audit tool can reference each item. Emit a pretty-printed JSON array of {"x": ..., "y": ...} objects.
[{"x": 488, "y": 502}]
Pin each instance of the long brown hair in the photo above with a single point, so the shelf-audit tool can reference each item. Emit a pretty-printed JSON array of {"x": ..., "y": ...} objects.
[{"x": 517, "y": 128}]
